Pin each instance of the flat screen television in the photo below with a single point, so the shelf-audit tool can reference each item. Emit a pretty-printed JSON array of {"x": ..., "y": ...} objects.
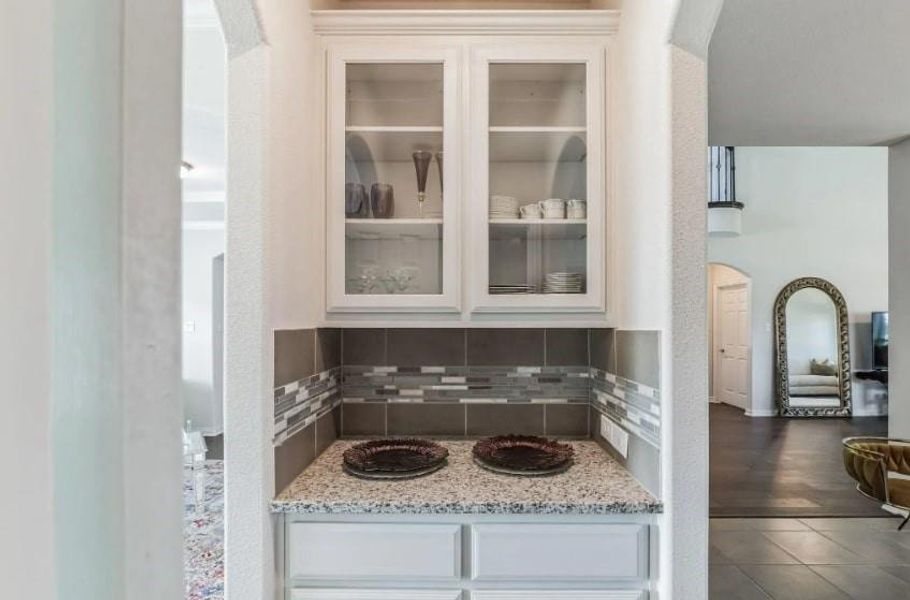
[{"x": 879, "y": 340}]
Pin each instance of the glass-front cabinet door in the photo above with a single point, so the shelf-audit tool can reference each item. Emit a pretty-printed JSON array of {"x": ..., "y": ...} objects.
[
  {"x": 393, "y": 178},
  {"x": 537, "y": 170}
]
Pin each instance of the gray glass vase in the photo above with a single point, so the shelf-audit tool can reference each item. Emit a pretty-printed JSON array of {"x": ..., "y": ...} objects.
[{"x": 382, "y": 200}]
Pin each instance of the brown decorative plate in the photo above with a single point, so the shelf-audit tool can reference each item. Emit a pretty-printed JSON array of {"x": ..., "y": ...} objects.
[
  {"x": 523, "y": 455},
  {"x": 396, "y": 456},
  {"x": 382, "y": 475}
]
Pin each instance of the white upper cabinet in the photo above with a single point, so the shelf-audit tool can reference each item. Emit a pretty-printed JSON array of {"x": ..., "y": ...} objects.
[
  {"x": 393, "y": 178},
  {"x": 467, "y": 175},
  {"x": 537, "y": 178}
]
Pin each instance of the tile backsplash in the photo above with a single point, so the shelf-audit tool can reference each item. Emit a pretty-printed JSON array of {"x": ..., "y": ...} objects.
[{"x": 465, "y": 382}]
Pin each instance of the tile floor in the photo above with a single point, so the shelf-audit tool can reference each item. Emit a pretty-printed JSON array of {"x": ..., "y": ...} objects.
[{"x": 809, "y": 559}]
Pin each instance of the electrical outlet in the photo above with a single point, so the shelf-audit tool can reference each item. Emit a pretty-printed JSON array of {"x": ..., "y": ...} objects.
[
  {"x": 620, "y": 440},
  {"x": 606, "y": 429}
]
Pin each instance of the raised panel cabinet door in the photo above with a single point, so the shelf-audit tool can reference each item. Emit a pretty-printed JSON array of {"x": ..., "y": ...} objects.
[
  {"x": 373, "y": 551},
  {"x": 559, "y": 595},
  {"x": 559, "y": 552},
  {"x": 348, "y": 594}
]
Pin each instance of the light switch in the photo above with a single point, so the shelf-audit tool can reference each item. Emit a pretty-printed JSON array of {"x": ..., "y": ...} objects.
[{"x": 189, "y": 327}]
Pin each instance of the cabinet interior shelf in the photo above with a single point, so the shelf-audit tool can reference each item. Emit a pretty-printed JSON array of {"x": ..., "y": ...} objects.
[
  {"x": 561, "y": 229},
  {"x": 532, "y": 129},
  {"x": 393, "y": 229},
  {"x": 393, "y": 129}
]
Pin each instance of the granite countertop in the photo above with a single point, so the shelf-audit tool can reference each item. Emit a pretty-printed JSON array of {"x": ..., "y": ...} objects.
[{"x": 596, "y": 484}]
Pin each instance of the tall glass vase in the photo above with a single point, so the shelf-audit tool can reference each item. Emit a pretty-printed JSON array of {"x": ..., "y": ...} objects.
[{"x": 422, "y": 160}]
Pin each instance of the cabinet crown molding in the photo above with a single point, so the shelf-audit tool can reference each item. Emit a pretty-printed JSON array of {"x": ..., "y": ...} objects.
[{"x": 466, "y": 22}]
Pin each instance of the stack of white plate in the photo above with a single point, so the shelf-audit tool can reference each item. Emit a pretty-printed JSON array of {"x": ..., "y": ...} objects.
[
  {"x": 503, "y": 207},
  {"x": 513, "y": 289},
  {"x": 564, "y": 283}
]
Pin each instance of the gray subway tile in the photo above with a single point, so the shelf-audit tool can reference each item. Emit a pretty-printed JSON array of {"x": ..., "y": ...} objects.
[
  {"x": 328, "y": 427},
  {"x": 566, "y": 347},
  {"x": 566, "y": 420},
  {"x": 367, "y": 418},
  {"x": 426, "y": 419},
  {"x": 294, "y": 355},
  {"x": 505, "y": 347},
  {"x": 364, "y": 347},
  {"x": 328, "y": 349},
  {"x": 603, "y": 355},
  {"x": 501, "y": 419},
  {"x": 426, "y": 347},
  {"x": 293, "y": 456},
  {"x": 638, "y": 356}
]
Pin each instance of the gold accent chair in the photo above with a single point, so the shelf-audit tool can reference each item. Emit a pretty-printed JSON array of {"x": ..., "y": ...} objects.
[{"x": 870, "y": 460}]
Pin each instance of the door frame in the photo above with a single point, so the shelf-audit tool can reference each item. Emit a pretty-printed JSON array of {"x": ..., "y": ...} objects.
[{"x": 715, "y": 293}]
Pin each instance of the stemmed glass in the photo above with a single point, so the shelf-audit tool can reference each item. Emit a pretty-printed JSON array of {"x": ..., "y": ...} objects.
[{"x": 422, "y": 160}]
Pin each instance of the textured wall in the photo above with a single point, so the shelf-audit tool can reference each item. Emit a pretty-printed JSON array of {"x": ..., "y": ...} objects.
[{"x": 899, "y": 295}]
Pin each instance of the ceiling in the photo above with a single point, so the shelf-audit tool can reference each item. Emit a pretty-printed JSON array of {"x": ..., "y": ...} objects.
[
  {"x": 810, "y": 73},
  {"x": 204, "y": 113}
]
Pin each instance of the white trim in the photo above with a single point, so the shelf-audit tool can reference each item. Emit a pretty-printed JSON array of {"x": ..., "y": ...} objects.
[
  {"x": 760, "y": 413},
  {"x": 203, "y": 225},
  {"x": 466, "y": 22}
]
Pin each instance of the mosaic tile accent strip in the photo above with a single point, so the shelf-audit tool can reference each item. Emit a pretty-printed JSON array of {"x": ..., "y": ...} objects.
[
  {"x": 507, "y": 385},
  {"x": 634, "y": 406},
  {"x": 300, "y": 403}
]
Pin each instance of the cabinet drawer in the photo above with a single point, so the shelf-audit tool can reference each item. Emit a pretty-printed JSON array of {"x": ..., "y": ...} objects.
[
  {"x": 567, "y": 552},
  {"x": 347, "y": 594},
  {"x": 373, "y": 550},
  {"x": 558, "y": 595}
]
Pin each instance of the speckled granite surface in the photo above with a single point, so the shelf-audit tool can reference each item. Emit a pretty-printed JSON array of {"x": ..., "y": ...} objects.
[{"x": 596, "y": 484}]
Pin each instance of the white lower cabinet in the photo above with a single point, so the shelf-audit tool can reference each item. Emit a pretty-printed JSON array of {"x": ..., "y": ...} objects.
[
  {"x": 374, "y": 551},
  {"x": 425, "y": 560},
  {"x": 558, "y": 552}
]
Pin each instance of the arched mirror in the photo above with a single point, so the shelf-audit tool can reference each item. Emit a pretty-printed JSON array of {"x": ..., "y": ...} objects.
[{"x": 812, "y": 347}]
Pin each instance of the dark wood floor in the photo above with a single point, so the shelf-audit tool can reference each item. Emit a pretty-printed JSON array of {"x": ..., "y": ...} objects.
[{"x": 774, "y": 467}]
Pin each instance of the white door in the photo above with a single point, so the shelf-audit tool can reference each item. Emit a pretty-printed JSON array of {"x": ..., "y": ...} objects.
[{"x": 733, "y": 341}]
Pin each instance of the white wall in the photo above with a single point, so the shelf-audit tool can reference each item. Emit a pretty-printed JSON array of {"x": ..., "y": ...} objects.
[
  {"x": 89, "y": 251},
  {"x": 200, "y": 405},
  {"x": 818, "y": 212},
  {"x": 899, "y": 296},
  {"x": 26, "y": 194}
]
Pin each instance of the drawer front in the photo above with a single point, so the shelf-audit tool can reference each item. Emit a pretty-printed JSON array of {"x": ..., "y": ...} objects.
[
  {"x": 373, "y": 550},
  {"x": 567, "y": 552},
  {"x": 558, "y": 595},
  {"x": 337, "y": 594}
]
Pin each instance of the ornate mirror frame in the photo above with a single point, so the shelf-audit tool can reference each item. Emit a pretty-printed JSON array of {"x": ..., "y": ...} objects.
[{"x": 782, "y": 379}]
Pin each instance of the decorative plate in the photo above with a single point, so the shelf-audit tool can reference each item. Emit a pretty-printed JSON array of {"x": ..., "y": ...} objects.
[
  {"x": 392, "y": 476},
  {"x": 386, "y": 457},
  {"x": 523, "y": 455}
]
